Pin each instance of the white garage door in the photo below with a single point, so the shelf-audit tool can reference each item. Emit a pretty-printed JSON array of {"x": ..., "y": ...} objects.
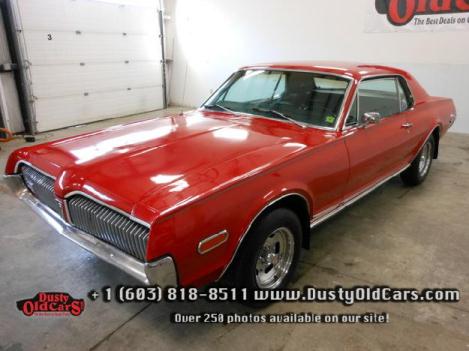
[{"x": 91, "y": 59}]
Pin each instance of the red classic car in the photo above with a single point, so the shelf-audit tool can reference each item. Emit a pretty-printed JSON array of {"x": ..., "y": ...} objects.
[{"x": 235, "y": 186}]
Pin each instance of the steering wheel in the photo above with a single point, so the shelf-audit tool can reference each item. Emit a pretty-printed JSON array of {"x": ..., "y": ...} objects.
[
  {"x": 327, "y": 111},
  {"x": 282, "y": 103}
]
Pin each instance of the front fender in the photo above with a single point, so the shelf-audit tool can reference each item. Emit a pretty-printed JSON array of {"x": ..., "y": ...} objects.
[
  {"x": 271, "y": 198},
  {"x": 233, "y": 210}
]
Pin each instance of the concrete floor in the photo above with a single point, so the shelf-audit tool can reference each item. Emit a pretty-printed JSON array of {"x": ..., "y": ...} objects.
[{"x": 396, "y": 236}]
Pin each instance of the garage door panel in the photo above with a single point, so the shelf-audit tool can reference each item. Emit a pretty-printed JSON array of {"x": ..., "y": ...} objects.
[
  {"x": 89, "y": 15},
  {"x": 56, "y": 81},
  {"x": 74, "y": 110},
  {"x": 66, "y": 47},
  {"x": 91, "y": 59}
]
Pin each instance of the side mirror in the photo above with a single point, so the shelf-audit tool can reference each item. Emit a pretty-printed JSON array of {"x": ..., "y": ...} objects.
[{"x": 371, "y": 118}]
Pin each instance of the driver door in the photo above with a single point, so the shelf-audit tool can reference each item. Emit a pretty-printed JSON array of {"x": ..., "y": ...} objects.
[{"x": 376, "y": 150}]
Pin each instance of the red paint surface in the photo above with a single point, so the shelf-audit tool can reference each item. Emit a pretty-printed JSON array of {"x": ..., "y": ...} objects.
[{"x": 193, "y": 175}]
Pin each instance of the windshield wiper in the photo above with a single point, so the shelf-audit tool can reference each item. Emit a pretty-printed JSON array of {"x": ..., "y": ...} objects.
[
  {"x": 219, "y": 107},
  {"x": 279, "y": 114}
]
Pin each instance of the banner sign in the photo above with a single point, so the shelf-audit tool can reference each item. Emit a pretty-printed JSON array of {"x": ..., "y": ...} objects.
[{"x": 418, "y": 15}]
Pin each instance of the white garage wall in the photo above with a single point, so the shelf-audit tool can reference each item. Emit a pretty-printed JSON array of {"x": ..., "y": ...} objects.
[{"x": 215, "y": 37}]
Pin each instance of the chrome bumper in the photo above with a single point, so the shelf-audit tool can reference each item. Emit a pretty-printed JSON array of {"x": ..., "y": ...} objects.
[{"x": 161, "y": 272}]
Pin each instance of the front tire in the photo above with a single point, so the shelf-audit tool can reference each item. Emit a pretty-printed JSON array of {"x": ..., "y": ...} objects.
[
  {"x": 418, "y": 170},
  {"x": 270, "y": 254}
]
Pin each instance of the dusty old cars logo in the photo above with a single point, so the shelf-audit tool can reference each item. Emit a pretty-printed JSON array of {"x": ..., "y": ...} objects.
[
  {"x": 51, "y": 303},
  {"x": 401, "y": 12}
]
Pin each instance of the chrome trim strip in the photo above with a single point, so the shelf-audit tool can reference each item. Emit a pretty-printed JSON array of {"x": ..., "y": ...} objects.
[
  {"x": 267, "y": 68},
  {"x": 162, "y": 271},
  {"x": 252, "y": 222},
  {"x": 129, "y": 216},
  {"x": 346, "y": 116},
  {"x": 17, "y": 166},
  {"x": 66, "y": 214},
  {"x": 223, "y": 232},
  {"x": 328, "y": 213}
]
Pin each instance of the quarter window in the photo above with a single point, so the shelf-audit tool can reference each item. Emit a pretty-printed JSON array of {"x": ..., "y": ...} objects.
[
  {"x": 404, "y": 100},
  {"x": 352, "y": 118}
]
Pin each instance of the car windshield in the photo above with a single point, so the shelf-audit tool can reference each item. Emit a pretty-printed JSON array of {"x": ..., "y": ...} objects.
[{"x": 301, "y": 97}]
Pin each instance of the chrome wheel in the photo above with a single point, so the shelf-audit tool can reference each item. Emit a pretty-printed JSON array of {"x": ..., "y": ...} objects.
[
  {"x": 425, "y": 159},
  {"x": 275, "y": 258}
]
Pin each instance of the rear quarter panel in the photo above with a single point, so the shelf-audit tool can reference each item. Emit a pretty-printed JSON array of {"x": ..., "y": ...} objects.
[{"x": 431, "y": 113}]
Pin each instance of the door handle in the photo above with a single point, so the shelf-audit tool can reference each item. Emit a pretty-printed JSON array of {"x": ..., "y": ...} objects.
[{"x": 407, "y": 125}]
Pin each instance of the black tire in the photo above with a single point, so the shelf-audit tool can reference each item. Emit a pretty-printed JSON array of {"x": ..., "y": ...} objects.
[
  {"x": 274, "y": 225},
  {"x": 415, "y": 174}
]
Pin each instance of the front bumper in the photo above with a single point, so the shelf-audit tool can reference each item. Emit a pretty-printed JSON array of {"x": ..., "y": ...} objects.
[{"x": 161, "y": 272}]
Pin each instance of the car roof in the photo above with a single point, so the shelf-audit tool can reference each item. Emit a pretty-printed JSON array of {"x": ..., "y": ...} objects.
[{"x": 350, "y": 69}]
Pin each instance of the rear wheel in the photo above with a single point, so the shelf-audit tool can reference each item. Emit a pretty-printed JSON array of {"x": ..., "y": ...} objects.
[
  {"x": 269, "y": 255},
  {"x": 416, "y": 173}
]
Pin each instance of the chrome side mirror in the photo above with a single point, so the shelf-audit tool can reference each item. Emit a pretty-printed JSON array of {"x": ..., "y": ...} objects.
[{"x": 371, "y": 118}]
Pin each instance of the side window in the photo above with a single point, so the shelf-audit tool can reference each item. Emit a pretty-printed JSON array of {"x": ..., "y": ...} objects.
[
  {"x": 379, "y": 95},
  {"x": 352, "y": 118}
]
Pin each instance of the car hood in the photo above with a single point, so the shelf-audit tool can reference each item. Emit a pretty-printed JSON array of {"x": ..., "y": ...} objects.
[{"x": 175, "y": 158}]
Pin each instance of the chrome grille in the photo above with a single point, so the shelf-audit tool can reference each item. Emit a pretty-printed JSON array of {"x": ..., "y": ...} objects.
[
  {"x": 108, "y": 225},
  {"x": 41, "y": 186}
]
